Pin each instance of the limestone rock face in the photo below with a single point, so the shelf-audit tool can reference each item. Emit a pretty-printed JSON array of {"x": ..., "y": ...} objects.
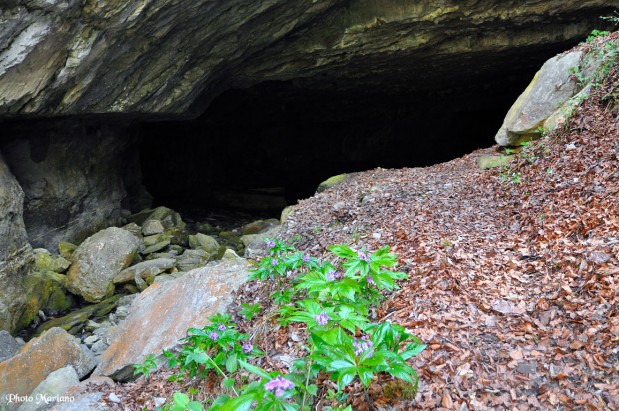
[
  {"x": 186, "y": 302},
  {"x": 71, "y": 176},
  {"x": 98, "y": 260},
  {"x": 55, "y": 349},
  {"x": 15, "y": 252},
  {"x": 65, "y": 57}
]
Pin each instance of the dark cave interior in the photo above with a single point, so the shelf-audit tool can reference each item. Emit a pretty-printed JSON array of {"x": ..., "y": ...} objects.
[{"x": 265, "y": 147}]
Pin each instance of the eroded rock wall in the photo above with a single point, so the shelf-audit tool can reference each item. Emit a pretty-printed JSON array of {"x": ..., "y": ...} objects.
[
  {"x": 72, "y": 174},
  {"x": 144, "y": 56},
  {"x": 15, "y": 252}
]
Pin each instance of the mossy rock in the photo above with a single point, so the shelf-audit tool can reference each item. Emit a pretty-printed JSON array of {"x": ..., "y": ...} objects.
[
  {"x": 154, "y": 239},
  {"x": 44, "y": 291},
  {"x": 156, "y": 247},
  {"x": 331, "y": 182},
  {"x": 286, "y": 212},
  {"x": 205, "y": 242},
  {"x": 66, "y": 249},
  {"x": 76, "y": 321},
  {"x": 486, "y": 162},
  {"x": 46, "y": 262},
  {"x": 177, "y": 236},
  {"x": 259, "y": 226}
]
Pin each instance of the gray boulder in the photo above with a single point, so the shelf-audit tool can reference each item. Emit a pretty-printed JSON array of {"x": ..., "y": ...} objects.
[
  {"x": 204, "y": 242},
  {"x": 56, "y": 384},
  {"x": 191, "y": 259},
  {"x": 149, "y": 268},
  {"x": 551, "y": 87},
  {"x": 8, "y": 345},
  {"x": 55, "y": 349},
  {"x": 151, "y": 227},
  {"x": 98, "y": 260}
]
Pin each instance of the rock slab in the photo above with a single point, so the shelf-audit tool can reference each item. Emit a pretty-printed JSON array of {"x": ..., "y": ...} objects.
[
  {"x": 552, "y": 86},
  {"x": 98, "y": 260},
  {"x": 54, "y": 350},
  {"x": 161, "y": 315}
]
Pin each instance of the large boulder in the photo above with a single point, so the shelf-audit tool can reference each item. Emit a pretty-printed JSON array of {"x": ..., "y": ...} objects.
[
  {"x": 552, "y": 86},
  {"x": 186, "y": 302},
  {"x": 15, "y": 251},
  {"x": 98, "y": 260},
  {"x": 54, "y": 350}
]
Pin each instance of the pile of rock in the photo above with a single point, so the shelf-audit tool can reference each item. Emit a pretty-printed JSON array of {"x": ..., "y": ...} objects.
[{"x": 153, "y": 253}]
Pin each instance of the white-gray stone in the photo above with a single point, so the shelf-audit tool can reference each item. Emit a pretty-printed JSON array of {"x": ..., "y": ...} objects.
[{"x": 56, "y": 384}]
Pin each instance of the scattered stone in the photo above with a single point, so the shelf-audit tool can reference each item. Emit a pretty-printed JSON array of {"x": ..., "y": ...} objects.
[
  {"x": 76, "y": 321},
  {"x": 156, "y": 247},
  {"x": 134, "y": 229},
  {"x": 191, "y": 259},
  {"x": 154, "y": 239},
  {"x": 255, "y": 244},
  {"x": 98, "y": 260},
  {"x": 168, "y": 277},
  {"x": 91, "y": 339},
  {"x": 206, "y": 290},
  {"x": 44, "y": 291},
  {"x": 55, "y": 385},
  {"x": 205, "y": 242},
  {"x": 46, "y": 262},
  {"x": 145, "y": 269},
  {"x": 151, "y": 227},
  {"x": 286, "y": 212},
  {"x": 66, "y": 249},
  {"x": 204, "y": 228},
  {"x": 85, "y": 396},
  {"x": 8, "y": 345},
  {"x": 167, "y": 217},
  {"x": 55, "y": 349},
  {"x": 259, "y": 226},
  {"x": 114, "y": 398}
]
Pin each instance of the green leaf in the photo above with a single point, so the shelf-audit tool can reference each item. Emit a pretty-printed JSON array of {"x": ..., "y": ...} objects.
[
  {"x": 312, "y": 389},
  {"x": 340, "y": 364},
  {"x": 346, "y": 378},
  {"x": 240, "y": 403},
  {"x": 412, "y": 349},
  {"x": 232, "y": 364},
  {"x": 197, "y": 357},
  {"x": 342, "y": 251},
  {"x": 181, "y": 399},
  {"x": 228, "y": 382},
  {"x": 195, "y": 406},
  {"x": 255, "y": 370}
]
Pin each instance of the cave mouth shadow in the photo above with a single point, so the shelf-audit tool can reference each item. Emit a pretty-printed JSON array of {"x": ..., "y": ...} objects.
[{"x": 262, "y": 148}]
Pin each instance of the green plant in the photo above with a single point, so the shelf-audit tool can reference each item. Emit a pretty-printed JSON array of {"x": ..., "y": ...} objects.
[
  {"x": 147, "y": 367},
  {"x": 333, "y": 300},
  {"x": 250, "y": 310},
  {"x": 612, "y": 18},
  {"x": 597, "y": 33},
  {"x": 182, "y": 402},
  {"x": 212, "y": 347}
]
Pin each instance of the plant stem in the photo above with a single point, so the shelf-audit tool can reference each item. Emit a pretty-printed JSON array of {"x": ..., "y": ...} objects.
[
  {"x": 219, "y": 370},
  {"x": 307, "y": 377}
]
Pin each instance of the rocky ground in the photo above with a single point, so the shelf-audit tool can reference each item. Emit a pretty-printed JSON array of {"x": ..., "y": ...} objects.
[{"x": 513, "y": 273}]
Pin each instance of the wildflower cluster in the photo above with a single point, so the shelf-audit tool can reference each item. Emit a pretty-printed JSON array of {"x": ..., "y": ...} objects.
[{"x": 333, "y": 301}]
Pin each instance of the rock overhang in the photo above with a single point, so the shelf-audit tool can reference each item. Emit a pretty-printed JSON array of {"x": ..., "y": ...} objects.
[{"x": 174, "y": 57}]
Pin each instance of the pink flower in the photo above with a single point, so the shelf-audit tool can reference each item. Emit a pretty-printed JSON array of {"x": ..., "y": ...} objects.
[{"x": 278, "y": 384}]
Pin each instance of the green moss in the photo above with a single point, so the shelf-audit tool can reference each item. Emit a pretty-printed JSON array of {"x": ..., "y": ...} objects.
[{"x": 331, "y": 182}]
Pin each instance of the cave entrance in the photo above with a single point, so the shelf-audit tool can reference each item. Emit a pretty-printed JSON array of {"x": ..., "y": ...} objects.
[{"x": 259, "y": 149}]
